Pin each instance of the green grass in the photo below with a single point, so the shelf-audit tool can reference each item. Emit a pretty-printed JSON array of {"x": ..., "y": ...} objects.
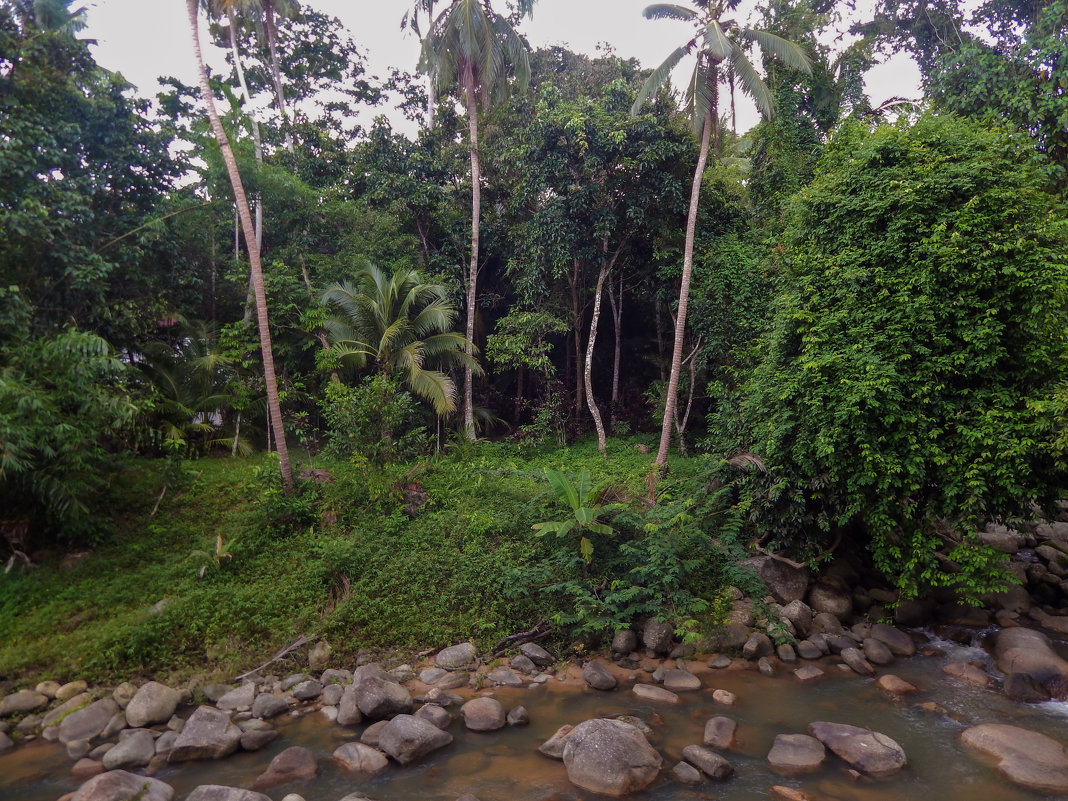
[{"x": 367, "y": 575}]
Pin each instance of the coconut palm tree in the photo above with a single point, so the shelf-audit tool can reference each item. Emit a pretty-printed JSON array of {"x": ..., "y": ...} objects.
[
  {"x": 718, "y": 45},
  {"x": 472, "y": 48},
  {"x": 401, "y": 325},
  {"x": 274, "y": 408}
]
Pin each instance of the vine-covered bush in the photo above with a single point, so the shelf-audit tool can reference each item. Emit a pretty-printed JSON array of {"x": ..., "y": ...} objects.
[{"x": 907, "y": 382}]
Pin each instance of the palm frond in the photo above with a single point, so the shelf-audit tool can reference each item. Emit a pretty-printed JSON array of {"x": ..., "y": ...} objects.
[
  {"x": 716, "y": 43},
  {"x": 751, "y": 82},
  {"x": 789, "y": 53},
  {"x": 660, "y": 75},
  {"x": 668, "y": 11}
]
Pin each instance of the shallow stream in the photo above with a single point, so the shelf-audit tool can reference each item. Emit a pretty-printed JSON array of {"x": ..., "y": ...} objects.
[{"x": 506, "y": 766}]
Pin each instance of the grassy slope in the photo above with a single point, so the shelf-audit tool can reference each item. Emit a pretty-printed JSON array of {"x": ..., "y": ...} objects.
[{"x": 375, "y": 578}]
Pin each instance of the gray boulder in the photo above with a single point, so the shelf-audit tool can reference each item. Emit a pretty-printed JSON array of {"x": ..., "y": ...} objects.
[
  {"x": 720, "y": 732},
  {"x": 758, "y": 645},
  {"x": 505, "y": 676},
  {"x": 308, "y": 690},
  {"x": 407, "y": 738},
  {"x": 435, "y": 714},
  {"x": 899, "y": 643},
  {"x": 1024, "y": 689},
  {"x": 796, "y": 754},
  {"x": 208, "y": 734},
  {"x": 295, "y": 764},
  {"x": 238, "y": 699},
  {"x": 54, "y": 716},
  {"x": 331, "y": 695},
  {"x": 598, "y": 677},
  {"x": 457, "y": 657},
  {"x": 360, "y": 758},
  {"x": 785, "y": 582},
  {"x": 348, "y": 708},
  {"x": 681, "y": 680},
  {"x": 863, "y": 749},
  {"x": 650, "y": 692},
  {"x": 624, "y": 642},
  {"x": 218, "y": 792},
  {"x": 1020, "y": 650},
  {"x": 554, "y": 746},
  {"x": 536, "y": 654},
  {"x": 483, "y": 714},
  {"x": 153, "y": 703},
  {"x": 267, "y": 706},
  {"x": 1024, "y": 757},
  {"x": 6, "y": 743},
  {"x": 118, "y": 785},
  {"x": 657, "y": 636},
  {"x": 21, "y": 702},
  {"x": 133, "y": 751},
  {"x": 610, "y": 757},
  {"x": 685, "y": 773},
  {"x": 89, "y": 722},
  {"x": 713, "y": 765},
  {"x": 523, "y": 664},
  {"x": 255, "y": 739},
  {"x": 379, "y": 699},
  {"x": 877, "y": 652},
  {"x": 855, "y": 659},
  {"x": 518, "y": 716}
]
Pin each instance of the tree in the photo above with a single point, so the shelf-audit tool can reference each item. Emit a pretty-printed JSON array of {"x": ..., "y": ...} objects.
[
  {"x": 717, "y": 43},
  {"x": 472, "y": 48},
  {"x": 256, "y": 270},
  {"x": 403, "y": 326}
]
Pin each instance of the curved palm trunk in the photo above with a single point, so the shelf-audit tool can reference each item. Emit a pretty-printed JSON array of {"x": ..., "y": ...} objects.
[
  {"x": 472, "y": 273},
  {"x": 255, "y": 268},
  {"x": 671, "y": 400},
  {"x": 595, "y": 413}
]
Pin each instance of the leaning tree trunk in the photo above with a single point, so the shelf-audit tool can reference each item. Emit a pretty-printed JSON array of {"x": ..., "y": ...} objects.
[
  {"x": 472, "y": 273},
  {"x": 271, "y": 29},
  {"x": 617, "y": 321},
  {"x": 595, "y": 413},
  {"x": 255, "y": 268},
  {"x": 671, "y": 399}
]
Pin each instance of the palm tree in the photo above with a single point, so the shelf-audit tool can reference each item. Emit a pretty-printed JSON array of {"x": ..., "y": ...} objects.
[
  {"x": 720, "y": 57},
  {"x": 274, "y": 408},
  {"x": 403, "y": 326},
  {"x": 471, "y": 47}
]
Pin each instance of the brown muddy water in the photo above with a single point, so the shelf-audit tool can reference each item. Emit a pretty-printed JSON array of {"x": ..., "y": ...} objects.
[{"x": 506, "y": 766}]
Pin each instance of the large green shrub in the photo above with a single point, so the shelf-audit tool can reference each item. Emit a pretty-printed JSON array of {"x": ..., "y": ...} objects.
[{"x": 907, "y": 381}]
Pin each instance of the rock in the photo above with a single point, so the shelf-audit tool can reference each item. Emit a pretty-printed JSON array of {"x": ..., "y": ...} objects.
[
  {"x": 47, "y": 688},
  {"x": 681, "y": 681},
  {"x": 134, "y": 751},
  {"x": 295, "y": 764},
  {"x": 825, "y": 623},
  {"x": 348, "y": 708},
  {"x": 218, "y": 792},
  {"x": 896, "y": 685},
  {"x": 1024, "y": 757},
  {"x": 457, "y": 657},
  {"x": 319, "y": 655},
  {"x": 685, "y": 773},
  {"x": 597, "y": 676},
  {"x": 1021, "y": 650},
  {"x": 796, "y": 755},
  {"x": 153, "y": 703},
  {"x": 800, "y": 616},
  {"x": 720, "y": 732},
  {"x": 483, "y": 714},
  {"x": 807, "y": 649},
  {"x": 831, "y": 598},
  {"x": 785, "y": 582},
  {"x": 523, "y": 664},
  {"x": 967, "y": 672},
  {"x": 789, "y": 793},
  {"x": 536, "y": 654},
  {"x": 238, "y": 699},
  {"x": 899, "y": 643},
  {"x": 758, "y": 645},
  {"x": 372, "y": 733},
  {"x": 77, "y": 749},
  {"x": 21, "y": 702},
  {"x": 435, "y": 714},
  {"x": 360, "y": 758},
  {"x": 1024, "y": 689},
  {"x": 454, "y": 680},
  {"x": 650, "y": 692},
  {"x": 288, "y": 683},
  {"x": 658, "y": 673},
  {"x": 765, "y": 667},
  {"x": 855, "y": 659},
  {"x": 255, "y": 739},
  {"x": 610, "y": 757},
  {"x": 554, "y": 746},
  {"x": 786, "y": 653},
  {"x": 624, "y": 641},
  {"x": 123, "y": 694},
  {"x": 57, "y": 714},
  {"x": 379, "y": 699},
  {"x": 876, "y": 652},
  {"x": 336, "y": 676},
  {"x": 86, "y": 768},
  {"x": 505, "y": 676},
  {"x": 407, "y": 738},
  {"x": 88, "y": 722},
  {"x": 657, "y": 636},
  {"x": 118, "y": 785},
  {"x": 432, "y": 675},
  {"x": 708, "y": 761},
  {"x": 518, "y": 716},
  {"x": 308, "y": 690},
  {"x": 839, "y": 642},
  {"x": 267, "y": 706},
  {"x": 730, "y": 637},
  {"x": 6, "y": 743},
  {"x": 208, "y": 734},
  {"x": 868, "y": 751},
  {"x": 724, "y": 697},
  {"x": 719, "y": 663},
  {"x": 71, "y": 689}
]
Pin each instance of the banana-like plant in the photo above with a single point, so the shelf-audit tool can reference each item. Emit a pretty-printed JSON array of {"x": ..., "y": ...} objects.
[{"x": 583, "y": 499}]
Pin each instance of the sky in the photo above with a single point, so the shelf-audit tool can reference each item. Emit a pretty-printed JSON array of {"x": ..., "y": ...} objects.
[{"x": 144, "y": 39}]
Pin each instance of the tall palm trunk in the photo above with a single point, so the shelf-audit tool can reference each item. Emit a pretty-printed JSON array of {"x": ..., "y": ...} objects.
[
  {"x": 617, "y": 321},
  {"x": 598, "y": 424},
  {"x": 671, "y": 399},
  {"x": 271, "y": 29},
  {"x": 255, "y": 268},
  {"x": 472, "y": 273}
]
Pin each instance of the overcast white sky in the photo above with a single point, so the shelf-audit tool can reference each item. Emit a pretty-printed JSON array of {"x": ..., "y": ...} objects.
[{"x": 144, "y": 39}]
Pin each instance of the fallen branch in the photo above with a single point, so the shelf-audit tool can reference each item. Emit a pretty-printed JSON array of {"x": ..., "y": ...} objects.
[
  {"x": 282, "y": 653},
  {"x": 539, "y": 632},
  {"x": 799, "y": 565},
  {"x": 158, "y": 500}
]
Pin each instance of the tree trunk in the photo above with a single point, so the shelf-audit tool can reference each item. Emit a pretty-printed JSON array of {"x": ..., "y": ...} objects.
[
  {"x": 255, "y": 268},
  {"x": 671, "y": 399},
  {"x": 576, "y": 325},
  {"x": 595, "y": 413},
  {"x": 271, "y": 29},
  {"x": 617, "y": 321},
  {"x": 472, "y": 272}
]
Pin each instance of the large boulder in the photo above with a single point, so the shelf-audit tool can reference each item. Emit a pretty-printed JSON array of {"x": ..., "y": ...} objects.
[
  {"x": 863, "y": 749},
  {"x": 1024, "y": 757},
  {"x": 21, "y": 702},
  {"x": 88, "y": 722},
  {"x": 554, "y": 746},
  {"x": 610, "y": 757},
  {"x": 831, "y": 597},
  {"x": 238, "y": 699},
  {"x": 457, "y": 657},
  {"x": 135, "y": 750},
  {"x": 720, "y": 732},
  {"x": 713, "y": 765},
  {"x": 407, "y": 738},
  {"x": 899, "y": 643},
  {"x": 295, "y": 764},
  {"x": 785, "y": 582},
  {"x": 378, "y": 699},
  {"x": 536, "y": 654},
  {"x": 118, "y": 785},
  {"x": 657, "y": 636},
  {"x": 483, "y": 714},
  {"x": 597, "y": 676},
  {"x": 681, "y": 681},
  {"x": 796, "y": 754},
  {"x": 360, "y": 758},
  {"x": 218, "y": 792},
  {"x": 348, "y": 709},
  {"x": 208, "y": 734},
  {"x": 267, "y": 706},
  {"x": 1020, "y": 650},
  {"x": 153, "y": 703}
]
